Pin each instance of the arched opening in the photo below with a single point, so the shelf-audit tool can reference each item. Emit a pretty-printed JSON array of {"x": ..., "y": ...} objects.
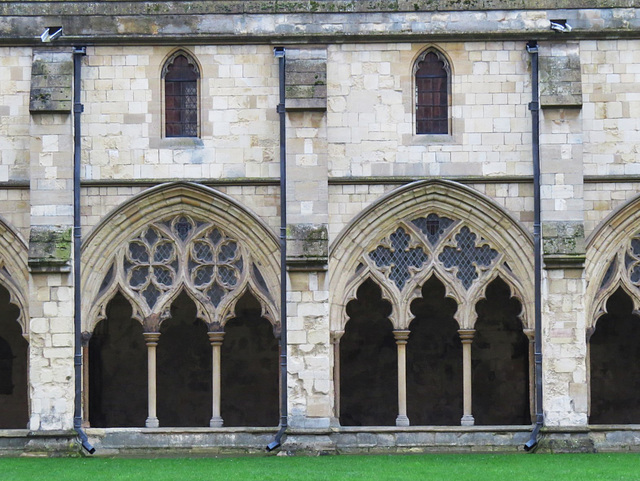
[
  {"x": 117, "y": 369},
  {"x": 249, "y": 361},
  {"x": 184, "y": 368},
  {"x": 181, "y": 77},
  {"x": 431, "y": 73},
  {"x": 368, "y": 362},
  {"x": 500, "y": 360},
  {"x": 434, "y": 359},
  {"x": 14, "y": 407},
  {"x": 615, "y": 364}
]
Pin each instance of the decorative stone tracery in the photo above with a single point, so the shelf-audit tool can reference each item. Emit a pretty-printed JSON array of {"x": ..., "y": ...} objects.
[
  {"x": 623, "y": 271},
  {"x": 177, "y": 254}
]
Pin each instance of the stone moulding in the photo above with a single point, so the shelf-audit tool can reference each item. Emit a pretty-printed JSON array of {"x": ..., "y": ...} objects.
[
  {"x": 608, "y": 241},
  {"x": 492, "y": 225},
  {"x": 165, "y": 202},
  {"x": 14, "y": 273},
  {"x": 93, "y": 23}
]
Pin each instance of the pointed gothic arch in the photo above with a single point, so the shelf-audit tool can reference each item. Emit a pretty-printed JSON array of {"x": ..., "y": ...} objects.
[
  {"x": 150, "y": 248},
  {"x": 446, "y": 220},
  {"x": 612, "y": 257},
  {"x": 14, "y": 271}
]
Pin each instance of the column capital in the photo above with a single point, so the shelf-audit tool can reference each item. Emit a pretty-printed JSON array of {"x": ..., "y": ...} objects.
[
  {"x": 151, "y": 338},
  {"x": 401, "y": 335},
  {"x": 466, "y": 335},
  {"x": 336, "y": 336},
  {"x": 215, "y": 338},
  {"x": 530, "y": 333}
]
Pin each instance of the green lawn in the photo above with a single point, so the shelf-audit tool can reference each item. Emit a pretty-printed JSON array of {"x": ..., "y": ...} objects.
[{"x": 476, "y": 467}]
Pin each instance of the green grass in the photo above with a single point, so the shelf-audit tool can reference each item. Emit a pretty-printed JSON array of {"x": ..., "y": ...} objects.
[{"x": 476, "y": 467}]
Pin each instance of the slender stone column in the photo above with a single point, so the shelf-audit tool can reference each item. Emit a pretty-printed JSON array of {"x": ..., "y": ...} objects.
[
  {"x": 151, "y": 339},
  {"x": 401, "y": 341},
  {"x": 466, "y": 336},
  {"x": 215, "y": 338},
  {"x": 335, "y": 340}
]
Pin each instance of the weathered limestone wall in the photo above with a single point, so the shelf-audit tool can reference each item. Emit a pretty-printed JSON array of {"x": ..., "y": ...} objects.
[
  {"x": 370, "y": 111},
  {"x": 348, "y": 199},
  {"x": 15, "y": 83},
  {"x": 123, "y": 117},
  {"x": 97, "y": 202},
  {"x": 611, "y": 89}
]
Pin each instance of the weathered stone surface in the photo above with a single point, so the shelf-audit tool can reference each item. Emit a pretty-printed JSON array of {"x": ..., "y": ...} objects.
[
  {"x": 50, "y": 249},
  {"x": 51, "y": 78},
  {"x": 563, "y": 238},
  {"x": 307, "y": 245},
  {"x": 560, "y": 75}
]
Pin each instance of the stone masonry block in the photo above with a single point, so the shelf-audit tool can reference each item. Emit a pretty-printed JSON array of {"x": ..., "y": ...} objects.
[
  {"x": 51, "y": 82},
  {"x": 560, "y": 76},
  {"x": 50, "y": 249}
]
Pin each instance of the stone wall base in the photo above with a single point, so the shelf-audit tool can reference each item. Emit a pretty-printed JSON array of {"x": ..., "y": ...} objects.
[{"x": 169, "y": 442}]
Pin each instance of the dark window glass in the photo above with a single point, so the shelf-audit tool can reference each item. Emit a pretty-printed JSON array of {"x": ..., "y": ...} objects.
[
  {"x": 432, "y": 104},
  {"x": 181, "y": 98}
]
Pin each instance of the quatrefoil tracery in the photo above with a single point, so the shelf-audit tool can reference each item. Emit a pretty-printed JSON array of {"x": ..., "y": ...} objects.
[{"x": 407, "y": 252}]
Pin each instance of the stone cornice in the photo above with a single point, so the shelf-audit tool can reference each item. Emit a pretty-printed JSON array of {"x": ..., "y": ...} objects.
[{"x": 321, "y": 21}]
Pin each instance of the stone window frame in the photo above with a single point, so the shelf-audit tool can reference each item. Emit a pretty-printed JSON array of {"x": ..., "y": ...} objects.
[
  {"x": 432, "y": 137},
  {"x": 192, "y": 62}
]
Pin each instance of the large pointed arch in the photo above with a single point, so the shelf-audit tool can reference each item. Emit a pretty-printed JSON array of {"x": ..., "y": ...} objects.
[
  {"x": 605, "y": 265},
  {"x": 14, "y": 271},
  {"x": 489, "y": 222},
  {"x": 158, "y": 207}
]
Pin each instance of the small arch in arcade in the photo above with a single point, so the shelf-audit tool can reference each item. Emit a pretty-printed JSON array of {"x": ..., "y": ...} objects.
[
  {"x": 434, "y": 359},
  {"x": 117, "y": 369},
  {"x": 249, "y": 362},
  {"x": 14, "y": 411},
  {"x": 500, "y": 360},
  {"x": 615, "y": 363},
  {"x": 184, "y": 368},
  {"x": 368, "y": 357}
]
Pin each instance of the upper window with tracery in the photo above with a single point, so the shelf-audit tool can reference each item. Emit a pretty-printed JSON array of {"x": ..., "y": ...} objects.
[
  {"x": 181, "y": 75},
  {"x": 431, "y": 75}
]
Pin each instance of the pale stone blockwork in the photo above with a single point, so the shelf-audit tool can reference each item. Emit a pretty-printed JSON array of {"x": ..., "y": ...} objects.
[
  {"x": 611, "y": 88},
  {"x": 564, "y": 352},
  {"x": 51, "y": 351},
  {"x": 15, "y": 76},
  {"x": 370, "y": 111},
  {"x": 310, "y": 351}
]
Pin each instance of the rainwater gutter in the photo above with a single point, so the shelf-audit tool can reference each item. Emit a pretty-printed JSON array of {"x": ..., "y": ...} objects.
[
  {"x": 279, "y": 53},
  {"x": 534, "y": 107},
  {"x": 78, "y": 53}
]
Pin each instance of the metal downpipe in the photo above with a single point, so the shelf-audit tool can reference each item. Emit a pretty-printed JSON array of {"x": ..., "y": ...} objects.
[
  {"x": 534, "y": 107},
  {"x": 78, "y": 53},
  {"x": 279, "y": 53}
]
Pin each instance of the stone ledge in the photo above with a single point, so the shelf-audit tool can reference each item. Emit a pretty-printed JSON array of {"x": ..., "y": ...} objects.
[{"x": 564, "y": 261}]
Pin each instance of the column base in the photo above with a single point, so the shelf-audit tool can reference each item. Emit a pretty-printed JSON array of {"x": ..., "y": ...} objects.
[
  {"x": 402, "y": 420},
  {"x": 216, "y": 422},
  {"x": 467, "y": 420},
  {"x": 152, "y": 423}
]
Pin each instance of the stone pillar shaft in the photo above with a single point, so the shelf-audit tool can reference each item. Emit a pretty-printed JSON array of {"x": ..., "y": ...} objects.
[
  {"x": 215, "y": 338},
  {"x": 151, "y": 339},
  {"x": 466, "y": 336},
  {"x": 401, "y": 341}
]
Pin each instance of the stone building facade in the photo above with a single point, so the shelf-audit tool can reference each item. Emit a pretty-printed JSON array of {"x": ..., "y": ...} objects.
[{"x": 410, "y": 146}]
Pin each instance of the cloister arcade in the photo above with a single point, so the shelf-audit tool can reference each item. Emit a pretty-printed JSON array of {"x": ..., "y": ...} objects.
[{"x": 430, "y": 315}]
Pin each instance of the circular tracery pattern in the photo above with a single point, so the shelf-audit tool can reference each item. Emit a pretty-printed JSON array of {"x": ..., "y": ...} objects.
[
  {"x": 215, "y": 264},
  {"x": 150, "y": 265}
]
